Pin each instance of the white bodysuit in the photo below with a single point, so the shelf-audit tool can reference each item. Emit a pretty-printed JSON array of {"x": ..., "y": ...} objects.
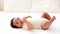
[{"x": 36, "y": 22}]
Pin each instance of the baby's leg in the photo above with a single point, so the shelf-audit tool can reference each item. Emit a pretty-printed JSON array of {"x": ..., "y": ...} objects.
[
  {"x": 47, "y": 24},
  {"x": 46, "y": 15}
]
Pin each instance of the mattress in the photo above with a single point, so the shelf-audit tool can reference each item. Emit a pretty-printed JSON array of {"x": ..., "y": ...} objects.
[{"x": 5, "y": 27}]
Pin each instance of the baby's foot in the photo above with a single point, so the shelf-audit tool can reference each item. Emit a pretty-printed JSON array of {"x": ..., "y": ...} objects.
[{"x": 53, "y": 18}]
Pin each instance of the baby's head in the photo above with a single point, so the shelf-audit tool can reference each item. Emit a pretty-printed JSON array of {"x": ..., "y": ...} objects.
[{"x": 16, "y": 23}]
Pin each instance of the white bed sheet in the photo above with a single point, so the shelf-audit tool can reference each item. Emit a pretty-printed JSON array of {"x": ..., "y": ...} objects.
[{"x": 5, "y": 28}]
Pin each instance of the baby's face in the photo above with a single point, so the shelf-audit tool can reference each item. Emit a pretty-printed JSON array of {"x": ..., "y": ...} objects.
[{"x": 17, "y": 22}]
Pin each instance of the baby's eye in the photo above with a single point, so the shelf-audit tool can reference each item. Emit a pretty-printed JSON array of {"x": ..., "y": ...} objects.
[{"x": 17, "y": 23}]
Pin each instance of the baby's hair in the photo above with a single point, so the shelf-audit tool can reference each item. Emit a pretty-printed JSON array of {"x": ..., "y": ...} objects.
[{"x": 13, "y": 26}]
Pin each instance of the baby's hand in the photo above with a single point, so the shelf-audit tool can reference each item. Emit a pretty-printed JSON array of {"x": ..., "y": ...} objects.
[
  {"x": 24, "y": 18},
  {"x": 27, "y": 17}
]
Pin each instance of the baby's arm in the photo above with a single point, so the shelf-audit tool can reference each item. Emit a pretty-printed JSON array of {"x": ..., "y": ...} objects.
[{"x": 27, "y": 24}]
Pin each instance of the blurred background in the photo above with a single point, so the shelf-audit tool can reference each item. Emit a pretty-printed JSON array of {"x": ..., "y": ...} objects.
[
  {"x": 1, "y": 5},
  {"x": 32, "y": 6}
]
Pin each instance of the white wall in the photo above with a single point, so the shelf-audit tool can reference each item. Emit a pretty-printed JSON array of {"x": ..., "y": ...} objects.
[
  {"x": 1, "y": 5},
  {"x": 34, "y": 6}
]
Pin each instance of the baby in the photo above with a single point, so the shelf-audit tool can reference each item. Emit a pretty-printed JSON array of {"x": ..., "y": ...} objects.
[{"x": 29, "y": 22}]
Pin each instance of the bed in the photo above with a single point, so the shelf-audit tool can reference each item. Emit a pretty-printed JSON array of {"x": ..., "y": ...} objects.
[{"x": 5, "y": 27}]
